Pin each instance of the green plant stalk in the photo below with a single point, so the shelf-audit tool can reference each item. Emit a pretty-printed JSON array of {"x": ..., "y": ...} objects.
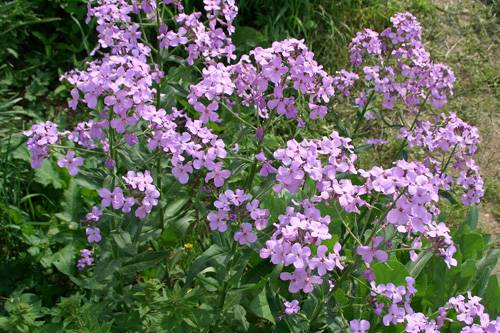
[
  {"x": 347, "y": 272},
  {"x": 449, "y": 160},
  {"x": 223, "y": 294},
  {"x": 403, "y": 144},
  {"x": 362, "y": 114}
]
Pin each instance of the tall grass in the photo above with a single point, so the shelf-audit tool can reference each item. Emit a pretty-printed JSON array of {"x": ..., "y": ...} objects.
[{"x": 326, "y": 25}]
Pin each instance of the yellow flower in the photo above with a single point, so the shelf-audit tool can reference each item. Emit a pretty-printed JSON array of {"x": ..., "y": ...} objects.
[{"x": 188, "y": 246}]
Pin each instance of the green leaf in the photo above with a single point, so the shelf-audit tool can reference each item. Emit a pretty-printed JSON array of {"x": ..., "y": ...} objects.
[
  {"x": 472, "y": 245},
  {"x": 124, "y": 242},
  {"x": 260, "y": 307},
  {"x": 247, "y": 37},
  {"x": 491, "y": 297},
  {"x": 448, "y": 196},
  {"x": 415, "y": 267},
  {"x": 240, "y": 316},
  {"x": 71, "y": 204},
  {"x": 104, "y": 269},
  {"x": 144, "y": 261},
  {"x": 177, "y": 227},
  {"x": 64, "y": 259},
  {"x": 202, "y": 262},
  {"x": 47, "y": 175},
  {"x": 341, "y": 297},
  {"x": 484, "y": 268},
  {"x": 472, "y": 216},
  {"x": 390, "y": 271}
]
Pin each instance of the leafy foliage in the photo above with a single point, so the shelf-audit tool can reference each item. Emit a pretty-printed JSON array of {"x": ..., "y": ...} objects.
[{"x": 169, "y": 272}]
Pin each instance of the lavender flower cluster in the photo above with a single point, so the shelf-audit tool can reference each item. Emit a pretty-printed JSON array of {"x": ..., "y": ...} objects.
[
  {"x": 229, "y": 208},
  {"x": 457, "y": 140},
  {"x": 190, "y": 145},
  {"x": 291, "y": 243},
  {"x": 398, "y": 67},
  {"x": 119, "y": 90},
  {"x": 207, "y": 42},
  {"x": 393, "y": 303},
  {"x": 268, "y": 79}
]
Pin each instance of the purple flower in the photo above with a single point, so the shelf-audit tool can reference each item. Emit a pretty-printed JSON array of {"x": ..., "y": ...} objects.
[
  {"x": 71, "y": 163},
  {"x": 292, "y": 307},
  {"x": 359, "y": 326},
  {"x": 370, "y": 252},
  {"x": 94, "y": 215},
  {"x": 114, "y": 198},
  {"x": 40, "y": 137},
  {"x": 85, "y": 259},
  {"x": 245, "y": 235},
  {"x": 259, "y": 133},
  {"x": 299, "y": 256},
  {"x": 300, "y": 280},
  {"x": 218, "y": 175},
  {"x": 182, "y": 171},
  {"x": 217, "y": 221},
  {"x": 324, "y": 263},
  {"x": 93, "y": 235}
]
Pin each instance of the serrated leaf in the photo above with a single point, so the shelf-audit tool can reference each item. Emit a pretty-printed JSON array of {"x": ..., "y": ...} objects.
[
  {"x": 240, "y": 316},
  {"x": 71, "y": 204},
  {"x": 47, "y": 175},
  {"x": 64, "y": 259}
]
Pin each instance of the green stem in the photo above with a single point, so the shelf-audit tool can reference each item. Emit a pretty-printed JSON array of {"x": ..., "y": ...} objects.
[
  {"x": 449, "y": 159},
  {"x": 403, "y": 144},
  {"x": 225, "y": 286},
  {"x": 362, "y": 114}
]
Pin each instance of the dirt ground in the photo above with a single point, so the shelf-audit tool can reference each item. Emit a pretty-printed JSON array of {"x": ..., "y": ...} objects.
[{"x": 466, "y": 36}]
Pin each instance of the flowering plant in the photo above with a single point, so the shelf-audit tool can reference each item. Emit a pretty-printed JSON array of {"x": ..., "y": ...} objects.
[{"x": 187, "y": 144}]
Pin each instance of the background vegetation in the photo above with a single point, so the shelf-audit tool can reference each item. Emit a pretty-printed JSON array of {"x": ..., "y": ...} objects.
[{"x": 39, "y": 210}]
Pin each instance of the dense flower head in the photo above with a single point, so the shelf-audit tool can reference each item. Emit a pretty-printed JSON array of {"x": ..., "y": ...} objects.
[
  {"x": 343, "y": 81},
  {"x": 144, "y": 194},
  {"x": 85, "y": 259},
  {"x": 415, "y": 191},
  {"x": 204, "y": 41},
  {"x": 457, "y": 141},
  {"x": 268, "y": 79},
  {"x": 116, "y": 31},
  {"x": 366, "y": 41},
  {"x": 40, "y": 137},
  {"x": 398, "y": 66},
  {"x": 394, "y": 304},
  {"x": 228, "y": 210},
  {"x": 123, "y": 82},
  {"x": 296, "y": 233},
  {"x": 321, "y": 160},
  {"x": 191, "y": 145},
  {"x": 88, "y": 134}
]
